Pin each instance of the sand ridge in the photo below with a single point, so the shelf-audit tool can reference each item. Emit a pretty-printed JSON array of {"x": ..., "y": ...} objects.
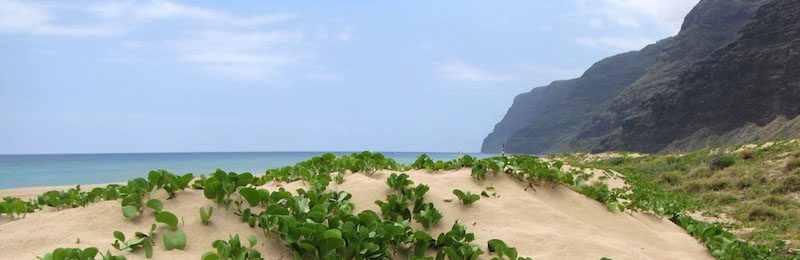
[{"x": 543, "y": 223}]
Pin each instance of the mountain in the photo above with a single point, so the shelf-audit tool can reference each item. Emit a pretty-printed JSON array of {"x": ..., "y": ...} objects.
[
  {"x": 568, "y": 103},
  {"x": 680, "y": 93}
]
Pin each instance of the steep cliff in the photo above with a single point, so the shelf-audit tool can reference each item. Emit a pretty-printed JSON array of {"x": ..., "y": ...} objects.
[
  {"x": 605, "y": 109},
  {"x": 731, "y": 96},
  {"x": 544, "y": 106}
]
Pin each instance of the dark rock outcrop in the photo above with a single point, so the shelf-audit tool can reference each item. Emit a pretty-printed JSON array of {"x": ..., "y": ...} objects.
[
  {"x": 731, "y": 70},
  {"x": 754, "y": 80}
]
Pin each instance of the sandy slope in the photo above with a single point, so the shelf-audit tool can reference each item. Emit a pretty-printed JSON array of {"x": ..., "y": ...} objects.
[{"x": 545, "y": 223}]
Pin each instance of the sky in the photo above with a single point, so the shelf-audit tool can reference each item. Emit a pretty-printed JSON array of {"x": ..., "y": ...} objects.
[{"x": 192, "y": 76}]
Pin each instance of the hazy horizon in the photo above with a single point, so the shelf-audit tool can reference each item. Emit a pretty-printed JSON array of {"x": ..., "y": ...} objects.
[{"x": 178, "y": 76}]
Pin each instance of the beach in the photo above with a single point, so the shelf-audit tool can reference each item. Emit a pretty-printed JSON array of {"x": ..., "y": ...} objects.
[{"x": 542, "y": 222}]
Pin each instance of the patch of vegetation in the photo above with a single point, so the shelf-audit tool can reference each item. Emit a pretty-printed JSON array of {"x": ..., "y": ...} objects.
[
  {"x": 466, "y": 198},
  {"x": 12, "y": 207},
  {"x": 139, "y": 240},
  {"x": 205, "y": 216},
  {"x": 793, "y": 164},
  {"x": 456, "y": 244},
  {"x": 79, "y": 254},
  {"x": 503, "y": 251},
  {"x": 427, "y": 215},
  {"x": 233, "y": 250},
  {"x": 755, "y": 189},
  {"x": 398, "y": 182},
  {"x": 721, "y": 161}
]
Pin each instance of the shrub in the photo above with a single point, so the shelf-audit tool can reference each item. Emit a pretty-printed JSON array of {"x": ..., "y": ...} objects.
[
  {"x": 793, "y": 164},
  {"x": 778, "y": 201},
  {"x": 747, "y": 154},
  {"x": 671, "y": 178},
  {"x": 763, "y": 213},
  {"x": 617, "y": 160},
  {"x": 789, "y": 185},
  {"x": 721, "y": 161}
]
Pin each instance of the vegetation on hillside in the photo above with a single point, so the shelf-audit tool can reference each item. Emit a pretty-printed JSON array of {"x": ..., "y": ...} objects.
[{"x": 751, "y": 190}]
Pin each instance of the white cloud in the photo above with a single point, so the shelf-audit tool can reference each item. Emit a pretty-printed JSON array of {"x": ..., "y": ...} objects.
[
  {"x": 617, "y": 43},
  {"x": 30, "y": 18},
  {"x": 457, "y": 70},
  {"x": 227, "y": 44},
  {"x": 247, "y": 55},
  {"x": 667, "y": 15},
  {"x": 162, "y": 10},
  {"x": 623, "y": 25}
]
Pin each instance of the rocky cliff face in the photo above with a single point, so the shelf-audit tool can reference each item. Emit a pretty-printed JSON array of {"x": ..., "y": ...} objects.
[
  {"x": 726, "y": 98},
  {"x": 569, "y": 103},
  {"x": 635, "y": 101}
]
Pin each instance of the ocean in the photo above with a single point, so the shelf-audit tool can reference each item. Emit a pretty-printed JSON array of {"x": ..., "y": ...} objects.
[{"x": 72, "y": 169}]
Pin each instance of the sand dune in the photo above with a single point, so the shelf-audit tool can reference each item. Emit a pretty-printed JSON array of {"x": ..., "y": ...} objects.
[{"x": 543, "y": 223}]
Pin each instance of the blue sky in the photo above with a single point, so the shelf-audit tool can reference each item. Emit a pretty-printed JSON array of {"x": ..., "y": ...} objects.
[{"x": 171, "y": 76}]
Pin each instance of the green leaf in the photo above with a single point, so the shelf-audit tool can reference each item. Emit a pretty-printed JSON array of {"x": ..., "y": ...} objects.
[
  {"x": 155, "y": 204},
  {"x": 210, "y": 256},
  {"x": 119, "y": 236},
  {"x": 332, "y": 233},
  {"x": 496, "y": 245},
  {"x": 90, "y": 253},
  {"x": 168, "y": 218},
  {"x": 206, "y": 216},
  {"x": 148, "y": 248},
  {"x": 252, "y": 196},
  {"x": 174, "y": 240},
  {"x": 253, "y": 240},
  {"x": 130, "y": 212}
]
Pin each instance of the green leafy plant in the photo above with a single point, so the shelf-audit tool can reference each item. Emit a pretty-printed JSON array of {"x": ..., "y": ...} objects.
[
  {"x": 71, "y": 254},
  {"x": 233, "y": 250},
  {"x": 139, "y": 240},
  {"x": 503, "y": 251},
  {"x": 205, "y": 216},
  {"x": 428, "y": 216},
  {"x": 395, "y": 207},
  {"x": 78, "y": 254},
  {"x": 466, "y": 198},
  {"x": 174, "y": 240},
  {"x": 12, "y": 207},
  {"x": 167, "y": 218},
  {"x": 398, "y": 182},
  {"x": 456, "y": 244}
]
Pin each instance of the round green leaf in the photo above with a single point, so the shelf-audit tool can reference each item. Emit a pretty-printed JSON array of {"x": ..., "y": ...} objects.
[
  {"x": 168, "y": 218},
  {"x": 130, "y": 212},
  {"x": 155, "y": 204}
]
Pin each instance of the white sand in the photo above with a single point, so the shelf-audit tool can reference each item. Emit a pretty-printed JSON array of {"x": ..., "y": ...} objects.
[{"x": 545, "y": 223}]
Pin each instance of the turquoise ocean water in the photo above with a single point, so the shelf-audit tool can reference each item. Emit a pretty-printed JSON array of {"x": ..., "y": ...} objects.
[{"x": 72, "y": 169}]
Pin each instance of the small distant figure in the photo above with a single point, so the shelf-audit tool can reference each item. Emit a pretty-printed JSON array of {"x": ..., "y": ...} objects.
[{"x": 503, "y": 150}]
